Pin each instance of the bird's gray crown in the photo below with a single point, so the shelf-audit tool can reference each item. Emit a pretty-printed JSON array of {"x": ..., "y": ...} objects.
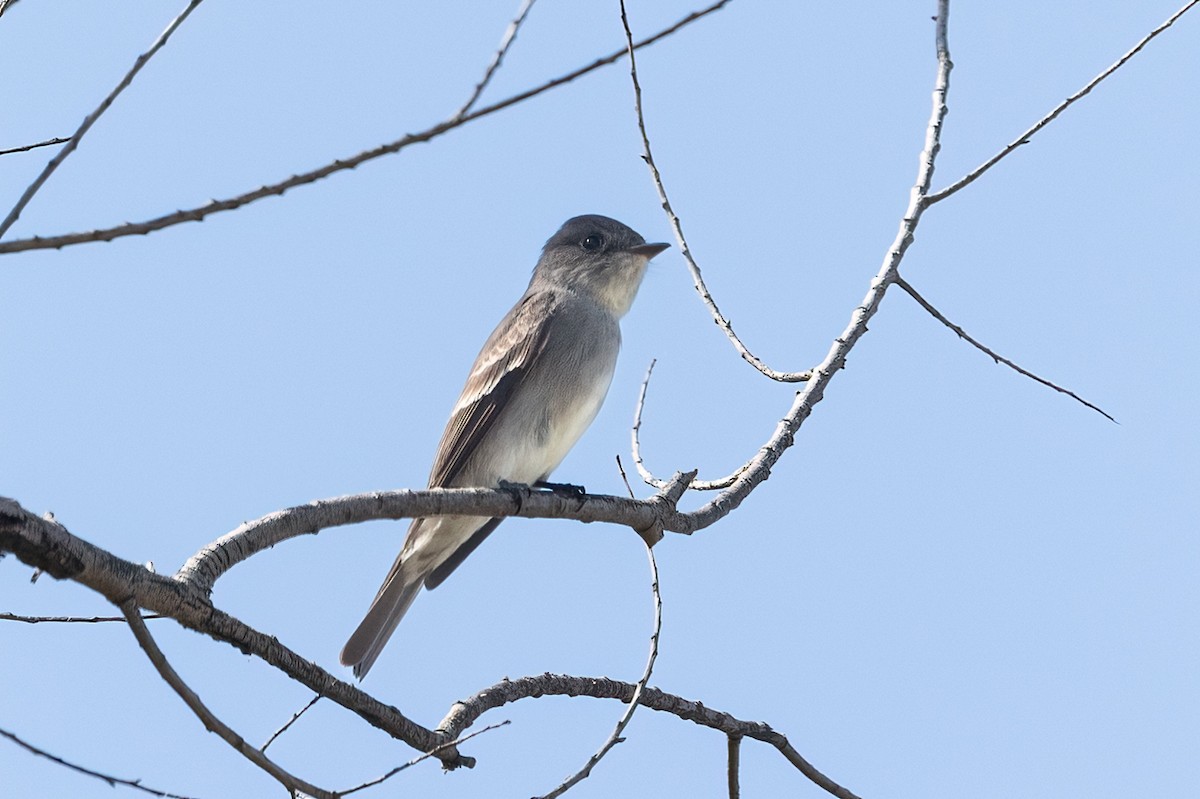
[{"x": 594, "y": 234}]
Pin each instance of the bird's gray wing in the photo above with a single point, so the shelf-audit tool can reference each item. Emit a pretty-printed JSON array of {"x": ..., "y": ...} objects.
[{"x": 501, "y": 366}]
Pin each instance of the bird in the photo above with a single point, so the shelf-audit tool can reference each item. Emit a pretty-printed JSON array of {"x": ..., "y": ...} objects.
[{"x": 535, "y": 387}]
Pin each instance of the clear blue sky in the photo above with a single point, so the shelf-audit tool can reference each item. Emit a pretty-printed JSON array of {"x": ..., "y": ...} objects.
[{"x": 956, "y": 583}]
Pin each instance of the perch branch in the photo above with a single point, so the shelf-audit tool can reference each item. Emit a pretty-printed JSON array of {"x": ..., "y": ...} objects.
[{"x": 656, "y": 513}]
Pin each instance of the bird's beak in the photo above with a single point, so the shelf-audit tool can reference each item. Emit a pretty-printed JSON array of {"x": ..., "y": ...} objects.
[{"x": 648, "y": 251}]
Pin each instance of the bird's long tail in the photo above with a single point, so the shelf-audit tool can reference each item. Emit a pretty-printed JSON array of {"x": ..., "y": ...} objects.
[{"x": 393, "y": 600}]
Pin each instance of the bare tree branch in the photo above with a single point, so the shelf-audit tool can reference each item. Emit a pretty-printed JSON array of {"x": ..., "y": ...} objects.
[
  {"x": 70, "y": 619},
  {"x": 206, "y": 716},
  {"x": 91, "y": 118},
  {"x": 615, "y": 738},
  {"x": 625, "y": 478},
  {"x": 112, "y": 781},
  {"x": 646, "y": 516},
  {"x": 693, "y": 267},
  {"x": 27, "y": 147},
  {"x": 1046, "y": 120},
  {"x": 936, "y": 314},
  {"x": 463, "y": 714},
  {"x": 275, "y": 189},
  {"x": 510, "y": 35}
]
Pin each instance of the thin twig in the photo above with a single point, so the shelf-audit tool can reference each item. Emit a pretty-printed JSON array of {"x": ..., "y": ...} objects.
[
  {"x": 206, "y": 716},
  {"x": 615, "y": 738},
  {"x": 71, "y": 619},
  {"x": 636, "y": 442},
  {"x": 936, "y": 314},
  {"x": 635, "y": 431},
  {"x": 111, "y": 780},
  {"x": 275, "y": 189},
  {"x": 422, "y": 757},
  {"x": 625, "y": 478},
  {"x": 295, "y": 717},
  {"x": 735, "y": 757},
  {"x": 510, "y": 35},
  {"x": 693, "y": 267},
  {"x": 27, "y": 147},
  {"x": 1046, "y": 120},
  {"x": 91, "y": 118}
]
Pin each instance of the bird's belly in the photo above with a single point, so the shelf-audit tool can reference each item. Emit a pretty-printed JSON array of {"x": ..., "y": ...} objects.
[{"x": 545, "y": 440}]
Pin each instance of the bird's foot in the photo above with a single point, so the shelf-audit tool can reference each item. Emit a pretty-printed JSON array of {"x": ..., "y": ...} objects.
[{"x": 571, "y": 490}]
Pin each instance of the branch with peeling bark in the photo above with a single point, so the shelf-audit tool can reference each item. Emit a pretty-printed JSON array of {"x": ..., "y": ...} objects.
[{"x": 464, "y": 713}]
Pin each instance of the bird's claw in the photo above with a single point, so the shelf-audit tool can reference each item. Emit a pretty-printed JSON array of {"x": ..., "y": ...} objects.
[{"x": 570, "y": 489}]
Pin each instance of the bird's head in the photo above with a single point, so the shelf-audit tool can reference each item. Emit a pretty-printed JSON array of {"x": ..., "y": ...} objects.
[{"x": 598, "y": 257}]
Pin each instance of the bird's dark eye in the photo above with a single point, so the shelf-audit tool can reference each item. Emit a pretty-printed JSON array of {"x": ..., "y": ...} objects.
[{"x": 593, "y": 242}]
